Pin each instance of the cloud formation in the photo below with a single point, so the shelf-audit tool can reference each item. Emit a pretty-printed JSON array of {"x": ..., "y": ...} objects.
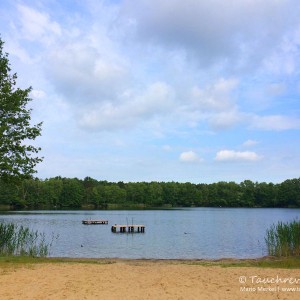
[
  {"x": 202, "y": 75},
  {"x": 231, "y": 155},
  {"x": 275, "y": 122},
  {"x": 190, "y": 157},
  {"x": 108, "y": 90},
  {"x": 250, "y": 143},
  {"x": 156, "y": 100},
  {"x": 239, "y": 33}
]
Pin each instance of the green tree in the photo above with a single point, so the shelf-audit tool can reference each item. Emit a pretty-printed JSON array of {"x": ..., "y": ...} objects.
[
  {"x": 114, "y": 194},
  {"x": 289, "y": 193},
  {"x": 171, "y": 192},
  {"x": 51, "y": 191},
  {"x": 17, "y": 159},
  {"x": 154, "y": 194},
  {"x": 204, "y": 190},
  {"x": 72, "y": 193},
  {"x": 247, "y": 198},
  {"x": 212, "y": 194},
  {"x": 188, "y": 194},
  {"x": 265, "y": 195},
  {"x": 91, "y": 195},
  {"x": 136, "y": 192},
  {"x": 8, "y": 193}
]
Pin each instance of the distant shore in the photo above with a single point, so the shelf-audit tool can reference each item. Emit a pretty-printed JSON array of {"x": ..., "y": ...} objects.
[{"x": 57, "y": 278}]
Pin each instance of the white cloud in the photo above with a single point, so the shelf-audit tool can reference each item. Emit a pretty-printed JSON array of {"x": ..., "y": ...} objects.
[
  {"x": 250, "y": 143},
  {"x": 190, "y": 157},
  {"x": 157, "y": 99},
  {"x": 38, "y": 94},
  {"x": 237, "y": 33},
  {"x": 215, "y": 97},
  {"x": 225, "y": 120},
  {"x": 275, "y": 122},
  {"x": 231, "y": 155},
  {"x": 285, "y": 58},
  {"x": 37, "y": 25},
  {"x": 14, "y": 48},
  {"x": 215, "y": 104},
  {"x": 88, "y": 74}
]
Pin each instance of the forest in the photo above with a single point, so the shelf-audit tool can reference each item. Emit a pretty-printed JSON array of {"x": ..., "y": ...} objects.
[{"x": 89, "y": 193}]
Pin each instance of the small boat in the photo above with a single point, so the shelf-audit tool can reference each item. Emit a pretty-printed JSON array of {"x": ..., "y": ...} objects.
[{"x": 94, "y": 222}]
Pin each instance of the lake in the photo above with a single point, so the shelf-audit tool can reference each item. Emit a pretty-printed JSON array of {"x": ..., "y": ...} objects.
[{"x": 189, "y": 233}]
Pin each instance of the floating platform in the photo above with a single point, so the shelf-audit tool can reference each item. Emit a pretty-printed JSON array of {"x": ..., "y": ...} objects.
[
  {"x": 128, "y": 228},
  {"x": 95, "y": 222}
]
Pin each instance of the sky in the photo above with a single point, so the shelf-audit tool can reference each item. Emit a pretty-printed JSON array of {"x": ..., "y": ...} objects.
[{"x": 160, "y": 90}]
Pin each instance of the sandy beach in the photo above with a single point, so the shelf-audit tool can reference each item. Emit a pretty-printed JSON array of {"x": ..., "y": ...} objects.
[{"x": 143, "y": 279}]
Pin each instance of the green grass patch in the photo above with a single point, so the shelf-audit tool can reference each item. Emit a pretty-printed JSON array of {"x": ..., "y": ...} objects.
[
  {"x": 264, "y": 262},
  {"x": 21, "y": 241},
  {"x": 25, "y": 260},
  {"x": 283, "y": 239}
]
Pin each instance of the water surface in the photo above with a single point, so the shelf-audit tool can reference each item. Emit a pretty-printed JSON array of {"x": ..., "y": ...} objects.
[{"x": 191, "y": 233}]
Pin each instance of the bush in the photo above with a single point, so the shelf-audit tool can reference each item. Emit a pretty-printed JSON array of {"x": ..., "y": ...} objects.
[{"x": 283, "y": 239}]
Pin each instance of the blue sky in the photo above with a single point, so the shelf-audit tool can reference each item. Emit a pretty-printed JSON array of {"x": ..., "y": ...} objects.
[{"x": 152, "y": 90}]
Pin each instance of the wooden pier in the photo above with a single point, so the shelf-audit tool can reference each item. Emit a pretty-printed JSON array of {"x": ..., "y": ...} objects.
[
  {"x": 128, "y": 228},
  {"x": 95, "y": 222}
]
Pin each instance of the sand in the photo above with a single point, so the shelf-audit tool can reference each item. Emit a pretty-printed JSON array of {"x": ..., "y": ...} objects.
[{"x": 143, "y": 279}]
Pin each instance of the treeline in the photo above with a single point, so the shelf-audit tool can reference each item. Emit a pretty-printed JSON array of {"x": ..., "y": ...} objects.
[{"x": 66, "y": 193}]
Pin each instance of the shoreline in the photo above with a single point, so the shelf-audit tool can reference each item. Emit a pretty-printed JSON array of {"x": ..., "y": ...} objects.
[
  {"x": 118, "y": 278},
  {"x": 266, "y": 258},
  {"x": 217, "y": 261}
]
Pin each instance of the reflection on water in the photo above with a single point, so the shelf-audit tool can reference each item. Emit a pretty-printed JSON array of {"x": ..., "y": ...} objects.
[{"x": 180, "y": 233}]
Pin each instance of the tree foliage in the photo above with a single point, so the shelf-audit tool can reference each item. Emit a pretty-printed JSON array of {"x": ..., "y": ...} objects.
[
  {"x": 17, "y": 158},
  {"x": 66, "y": 193}
]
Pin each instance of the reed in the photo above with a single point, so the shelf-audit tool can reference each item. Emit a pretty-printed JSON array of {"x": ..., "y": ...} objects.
[
  {"x": 283, "y": 239},
  {"x": 21, "y": 241}
]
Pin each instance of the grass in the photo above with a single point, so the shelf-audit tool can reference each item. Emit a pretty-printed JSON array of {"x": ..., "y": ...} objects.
[
  {"x": 283, "y": 239},
  {"x": 23, "y": 260},
  {"x": 21, "y": 241},
  {"x": 264, "y": 262}
]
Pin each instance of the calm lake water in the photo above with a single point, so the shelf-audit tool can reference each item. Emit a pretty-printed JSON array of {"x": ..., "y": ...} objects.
[{"x": 184, "y": 233}]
